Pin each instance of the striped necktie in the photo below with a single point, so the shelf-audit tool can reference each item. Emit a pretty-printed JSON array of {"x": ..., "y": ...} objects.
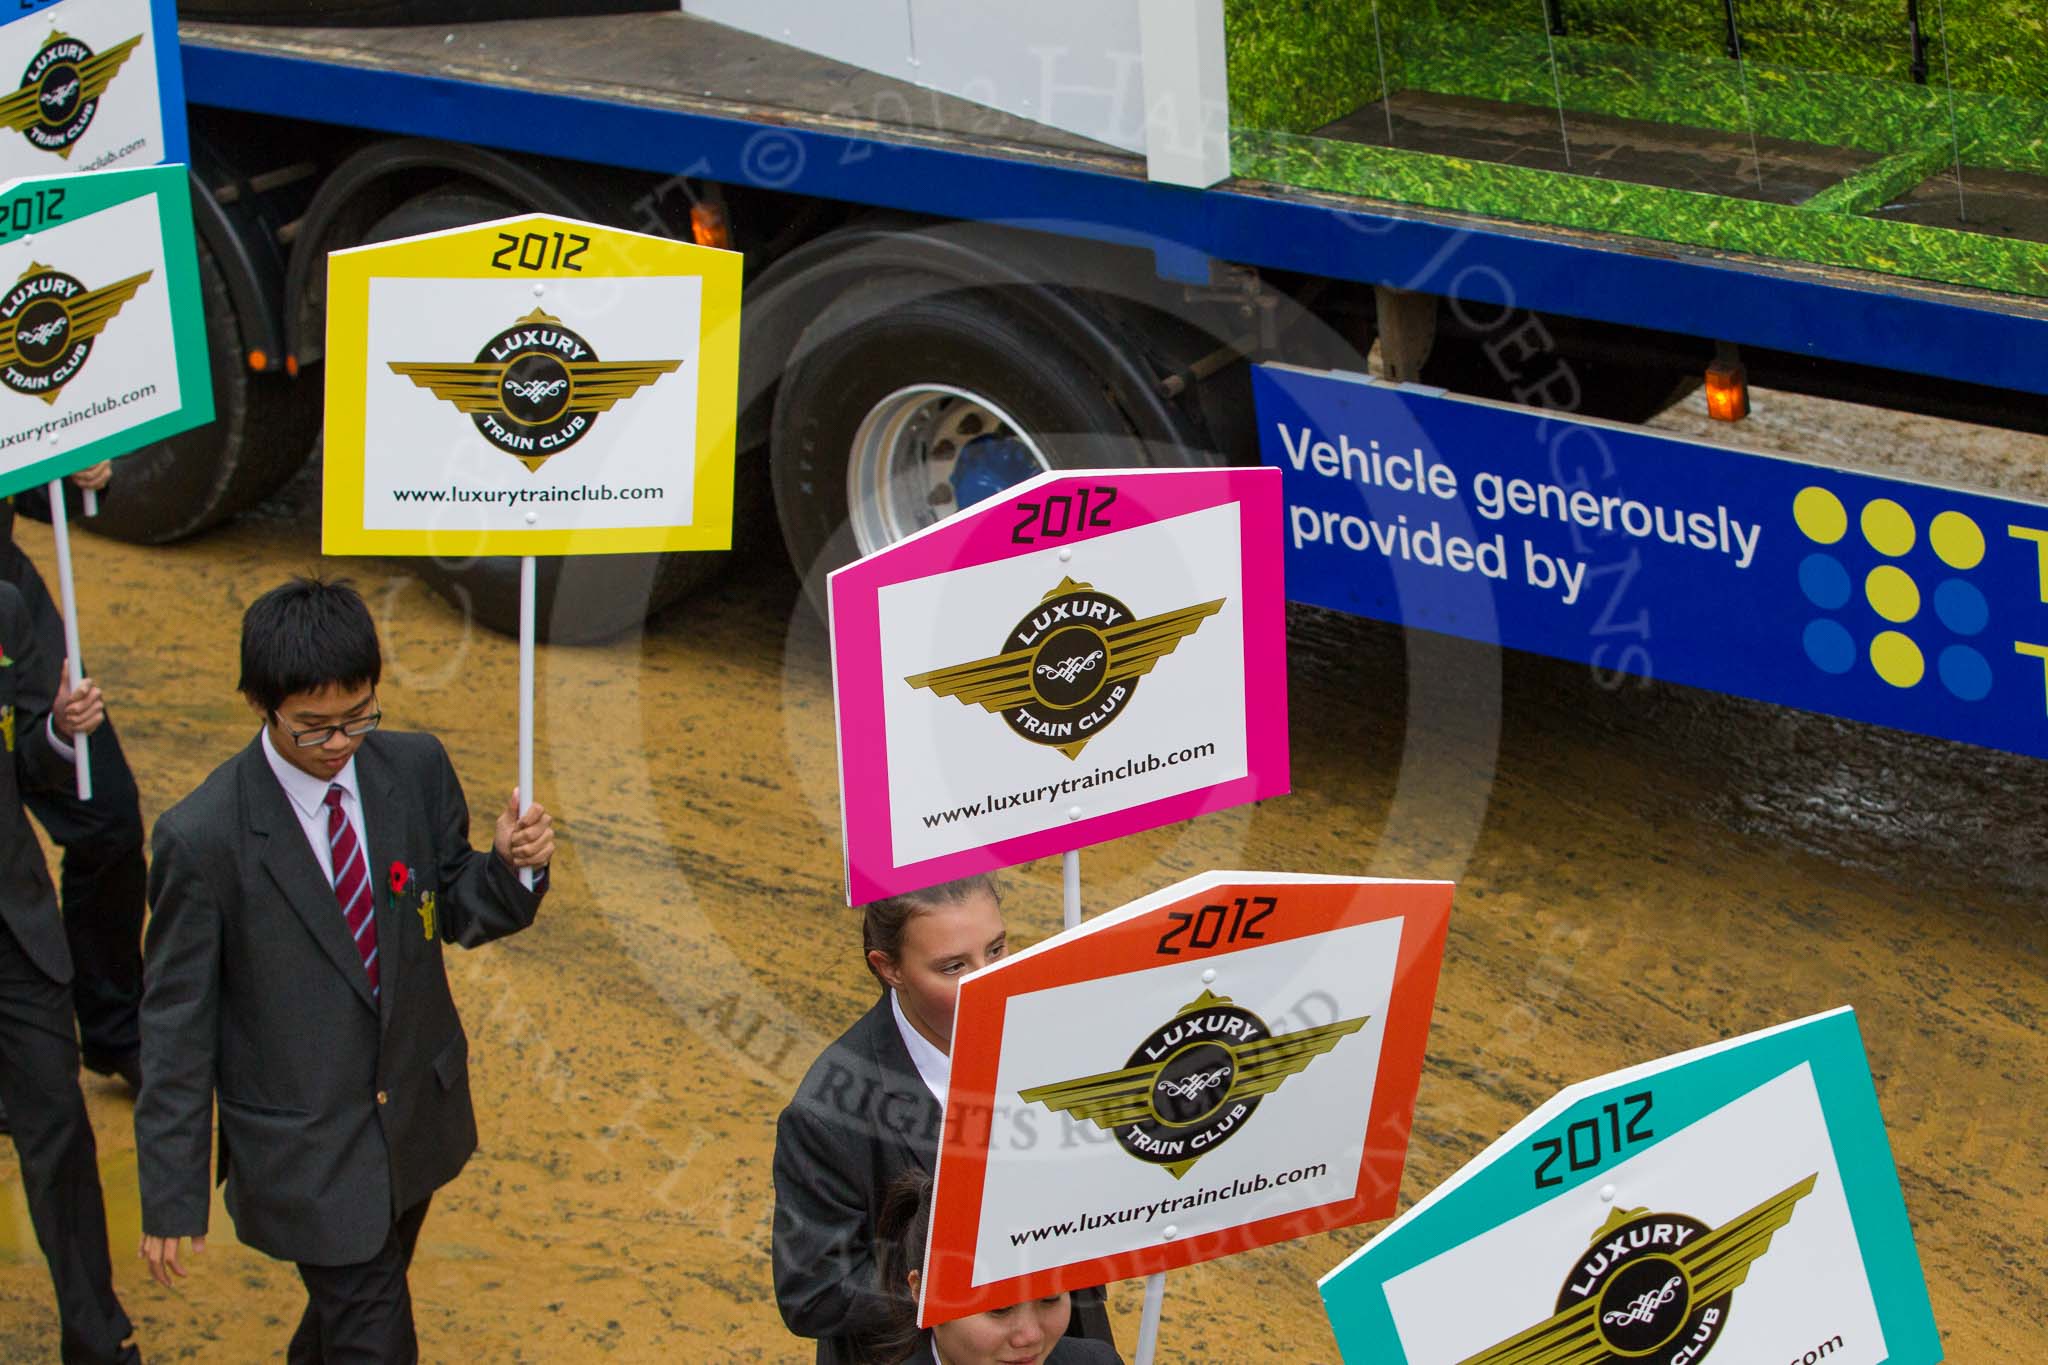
[{"x": 352, "y": 882}]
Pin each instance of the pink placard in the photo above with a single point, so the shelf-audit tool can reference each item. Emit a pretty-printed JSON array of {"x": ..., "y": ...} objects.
[{"x": 1089, "y": 655}]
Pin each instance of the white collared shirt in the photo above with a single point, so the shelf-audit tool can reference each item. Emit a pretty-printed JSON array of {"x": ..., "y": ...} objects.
[
  {"x": 308, "y": 797},
  {"x": 934, "y": 1067}
]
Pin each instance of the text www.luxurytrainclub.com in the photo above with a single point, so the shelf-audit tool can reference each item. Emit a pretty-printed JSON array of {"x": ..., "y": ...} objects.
[
  {"x": 1052, "y": 791},
  {"x": 84, "y": 414},
  {"x": 516, "y": 496},
  {"x": 1145, "y": 1213}
]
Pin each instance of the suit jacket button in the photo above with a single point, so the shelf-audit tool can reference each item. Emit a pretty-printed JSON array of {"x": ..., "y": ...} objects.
[{"x": 383, "y": 1097}]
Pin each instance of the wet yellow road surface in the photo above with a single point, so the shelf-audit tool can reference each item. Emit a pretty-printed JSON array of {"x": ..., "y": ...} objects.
[{"x": 1642, "y": 870}]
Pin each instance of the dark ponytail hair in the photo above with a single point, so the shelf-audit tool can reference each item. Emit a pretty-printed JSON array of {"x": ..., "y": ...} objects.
[
  {"x": 882, "y": 921},
  {"x": 901, "y": 1230}
]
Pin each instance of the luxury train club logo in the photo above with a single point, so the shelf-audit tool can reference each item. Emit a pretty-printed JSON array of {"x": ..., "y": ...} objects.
[
  {"x": 48, "y": 322},
  {"x": 1651, "y": 1284},
  {"x": 1193, "y": 1083},
  {"x": 1070, "y": 667},
  {"x": 537, "y": 387},
  {"x": 61, "y": 90}
]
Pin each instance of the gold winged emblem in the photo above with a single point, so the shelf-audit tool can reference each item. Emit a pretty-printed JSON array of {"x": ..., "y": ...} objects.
[
  {"x": 1003, "y": 682},
  {"x": 23, "y": 109},
  {"x": 595, "y": 385},
  {"x": 1713, "y": 1265},
  {"x": 87, "y": 315},
  {"x": 1237, "y": 1071},
  {"x": 570, "y": 392}
]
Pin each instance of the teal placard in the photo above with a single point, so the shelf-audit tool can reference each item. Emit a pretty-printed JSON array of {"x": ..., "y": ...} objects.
[
  {"x": 90, "y": 367},
  {"x": 1535, "y": 1164}
]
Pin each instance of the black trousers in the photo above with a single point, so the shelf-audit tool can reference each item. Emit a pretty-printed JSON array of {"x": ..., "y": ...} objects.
[
  {"x": 362, "y": 1314},
  {"x": 59, "y": 1161},
  {"x": 102, "y": 882}
]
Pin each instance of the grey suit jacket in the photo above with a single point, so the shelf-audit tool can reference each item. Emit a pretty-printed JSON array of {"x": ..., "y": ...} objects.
[
  {"x": 338, "y": 1110},
  {"x": 27, "y": 902}
]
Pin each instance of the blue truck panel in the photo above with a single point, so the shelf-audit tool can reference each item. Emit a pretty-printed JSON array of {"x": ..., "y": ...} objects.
[{"x": 1882, "y": 600}]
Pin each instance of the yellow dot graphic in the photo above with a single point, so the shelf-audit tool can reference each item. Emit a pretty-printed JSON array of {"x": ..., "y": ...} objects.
[
  {"x": 1820, "y": 514},
  {"x": 1957, "y": 540},
  {"x": 1888, "y": 527},
  {"x": 1897, "y": 659},
  {"x": 1893, "y": 592}
]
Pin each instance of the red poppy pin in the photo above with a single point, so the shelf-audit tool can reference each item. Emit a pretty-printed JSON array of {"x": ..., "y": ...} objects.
[{"x": 401, "y": 877}]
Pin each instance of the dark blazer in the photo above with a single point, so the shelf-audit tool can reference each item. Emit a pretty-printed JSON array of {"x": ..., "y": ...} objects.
[
  {"x": 338, "y": 1111},
  {"x": 861, "y": 1117},
  {"x": 27, "y": 902}
]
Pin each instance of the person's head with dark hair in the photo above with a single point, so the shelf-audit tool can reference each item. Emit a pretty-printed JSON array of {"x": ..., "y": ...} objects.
[
  {"x": 1002, "y": 1336},
  {"x": 310, "y": 668},
  {"x": 921, "y": 943}
]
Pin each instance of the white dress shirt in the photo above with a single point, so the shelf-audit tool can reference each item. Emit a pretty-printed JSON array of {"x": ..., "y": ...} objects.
[
  {"x": 308, "y": 796},
  {"x": 934, "y": 1067}
]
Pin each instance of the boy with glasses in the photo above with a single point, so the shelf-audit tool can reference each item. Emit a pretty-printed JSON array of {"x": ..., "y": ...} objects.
[{"x": 292, "y": 971}]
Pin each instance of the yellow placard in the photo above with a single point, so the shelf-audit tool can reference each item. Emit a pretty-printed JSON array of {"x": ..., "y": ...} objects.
[{"x": 533, "y": 386}]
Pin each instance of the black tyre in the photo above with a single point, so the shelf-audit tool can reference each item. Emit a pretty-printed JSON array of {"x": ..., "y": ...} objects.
[
  {"x": 581, "y": 599},
  {"x": 906, "y": 401},
  {"x": 262, "y": 428},
  {"x": 367, "y": 12}
]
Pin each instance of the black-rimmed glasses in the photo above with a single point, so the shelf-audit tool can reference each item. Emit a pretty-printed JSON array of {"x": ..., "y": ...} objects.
[{"x": 320, "y": 734}]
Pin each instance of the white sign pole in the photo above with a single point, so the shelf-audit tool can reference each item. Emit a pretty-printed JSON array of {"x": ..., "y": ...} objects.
[
  {"x": 1070, "y": 875},
  {"x": 91, "y": 503},
  {"x": 1148, "y": 1325},
  {"x": 61, "y": 529},
  {"x": 1155, "y": 1285},
  {"x": 526, "y": 612}
]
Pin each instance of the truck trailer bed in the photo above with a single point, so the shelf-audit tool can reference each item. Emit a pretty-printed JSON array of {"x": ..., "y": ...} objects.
[
  {"x": 671, "y": 93},
  {"x": 668, "y": 60}
]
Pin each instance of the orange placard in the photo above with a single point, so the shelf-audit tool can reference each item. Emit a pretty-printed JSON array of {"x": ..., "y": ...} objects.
[{"x": 1225, "y": 1064}]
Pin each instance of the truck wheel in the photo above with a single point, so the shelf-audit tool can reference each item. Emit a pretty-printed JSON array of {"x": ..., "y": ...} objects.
[
  {"x": 363, "y": 12},
  {"x": 581, "y": 599},
  {"x": 261, "y": 430},
  {"x": 904, "y": 405}
]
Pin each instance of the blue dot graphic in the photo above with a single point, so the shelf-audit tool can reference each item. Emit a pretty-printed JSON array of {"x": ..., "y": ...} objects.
[
  {"x": 1824, "y": 581},
  {"x": 1964, "y": 672},
  {"x": 1961, "y": 607},
  {"x": 1830, "y": 646}
]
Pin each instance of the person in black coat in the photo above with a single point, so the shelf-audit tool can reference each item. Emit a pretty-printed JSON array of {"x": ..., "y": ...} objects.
[
  {"x": 38, "y": 1050},
  {"x": 300, "y": 899},
  {"x": 101, "y": 876},
  {"x": 869, "y": 1110},
  {"x": 1034, "y": 1331}
]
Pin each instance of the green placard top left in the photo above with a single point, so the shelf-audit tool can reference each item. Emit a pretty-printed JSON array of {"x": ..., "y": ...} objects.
[{"x": 102, "y": 331}]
